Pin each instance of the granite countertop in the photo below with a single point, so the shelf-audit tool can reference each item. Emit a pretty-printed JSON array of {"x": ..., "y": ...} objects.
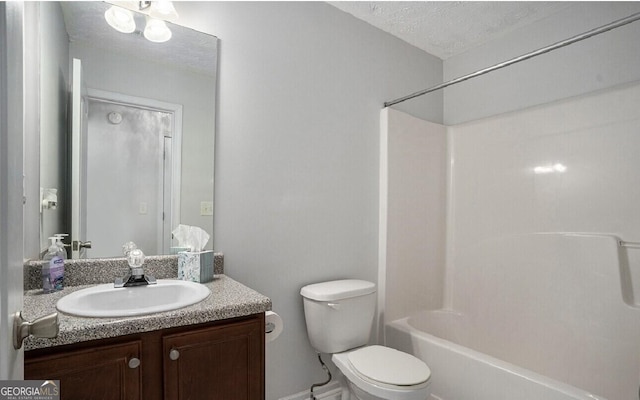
[{"x": 228, "y": 299}]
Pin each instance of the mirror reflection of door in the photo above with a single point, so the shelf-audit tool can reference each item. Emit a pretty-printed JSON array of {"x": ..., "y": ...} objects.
[
  {"x": 125, "y": 177},
  {"x": 125, "y": 171}
]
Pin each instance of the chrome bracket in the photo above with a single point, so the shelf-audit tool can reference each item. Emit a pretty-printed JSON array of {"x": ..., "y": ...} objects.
[{"x": 43, "y": 327}]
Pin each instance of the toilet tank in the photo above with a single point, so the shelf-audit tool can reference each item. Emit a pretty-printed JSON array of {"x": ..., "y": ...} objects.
[{"x": 339, "y": 314}]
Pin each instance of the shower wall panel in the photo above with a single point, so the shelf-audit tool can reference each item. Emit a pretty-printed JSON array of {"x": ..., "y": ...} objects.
[
  {"x": 570, "y": 166},
  {"x": 413, "y": 160}
]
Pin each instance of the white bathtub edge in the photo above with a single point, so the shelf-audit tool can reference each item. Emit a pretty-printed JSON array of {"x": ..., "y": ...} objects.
[{"x": 552, "y": 384}]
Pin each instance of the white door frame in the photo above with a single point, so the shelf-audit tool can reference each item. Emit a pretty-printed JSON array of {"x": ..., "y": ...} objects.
[
  {"x": 11, "y": 184},
  {"x": 78, "y": 171}
]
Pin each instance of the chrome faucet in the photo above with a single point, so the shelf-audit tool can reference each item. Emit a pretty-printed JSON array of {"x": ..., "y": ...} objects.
[{"x": 136, "y": 275}]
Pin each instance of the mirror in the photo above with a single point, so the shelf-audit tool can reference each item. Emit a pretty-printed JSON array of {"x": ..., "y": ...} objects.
[{"x": 160, "y": 94}]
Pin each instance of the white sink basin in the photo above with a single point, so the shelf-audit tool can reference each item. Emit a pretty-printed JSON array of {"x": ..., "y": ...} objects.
[{"x": 107, "y": 301}]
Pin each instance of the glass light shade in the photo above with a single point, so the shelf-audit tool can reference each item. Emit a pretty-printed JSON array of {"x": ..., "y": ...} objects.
[
  {"x": 120, "y": 19},
  {"x": 157, "y": 31}
]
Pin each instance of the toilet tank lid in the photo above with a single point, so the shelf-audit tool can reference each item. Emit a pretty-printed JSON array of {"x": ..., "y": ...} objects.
[{"x": 337, "y": 290}]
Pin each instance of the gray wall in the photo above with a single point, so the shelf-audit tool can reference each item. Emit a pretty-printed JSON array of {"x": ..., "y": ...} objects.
[
  {"x": 600, "y": 62},
  {"x": 301, "y": 86}
]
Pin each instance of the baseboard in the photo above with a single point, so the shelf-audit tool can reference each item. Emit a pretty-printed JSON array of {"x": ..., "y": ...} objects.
[{"x": 331, "y": 391}]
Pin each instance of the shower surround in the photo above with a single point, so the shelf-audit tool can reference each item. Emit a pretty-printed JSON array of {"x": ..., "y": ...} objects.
[{"x": 537, "y": 202}]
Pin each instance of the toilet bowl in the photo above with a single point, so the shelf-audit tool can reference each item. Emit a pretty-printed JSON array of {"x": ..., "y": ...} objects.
[
  {"x": 339, "y": 316},
  {"x": 378, "y": 372}
]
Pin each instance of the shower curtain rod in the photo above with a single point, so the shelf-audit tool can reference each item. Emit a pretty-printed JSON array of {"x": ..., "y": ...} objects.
[{"x": 555, "y": 46}]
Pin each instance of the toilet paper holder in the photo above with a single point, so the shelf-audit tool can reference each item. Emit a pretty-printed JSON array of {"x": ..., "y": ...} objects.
[{"x": 273, "y": 326}]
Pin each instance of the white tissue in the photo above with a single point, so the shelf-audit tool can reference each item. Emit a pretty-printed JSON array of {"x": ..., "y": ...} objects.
[
  {"x": 273, "y": 326},
  {"x": 191, "y": 237}
]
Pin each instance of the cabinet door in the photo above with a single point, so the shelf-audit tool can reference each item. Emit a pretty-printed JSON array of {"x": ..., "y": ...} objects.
[
  {"x": 103, "y": 373},
  {"x": 224, "y": 362}
]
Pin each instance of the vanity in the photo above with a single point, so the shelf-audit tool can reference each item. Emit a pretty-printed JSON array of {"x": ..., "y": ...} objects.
[{"x": 210, "y": 350}]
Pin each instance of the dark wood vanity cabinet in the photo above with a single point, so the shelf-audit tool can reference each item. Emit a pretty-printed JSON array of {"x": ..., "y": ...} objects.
[
  {"x": 101, "y": 373},
  {"x": 222, "y": 360},
  {"x": 215, "y": 363}
]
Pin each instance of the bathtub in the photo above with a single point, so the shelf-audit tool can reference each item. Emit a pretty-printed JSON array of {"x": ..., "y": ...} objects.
[{"x": 461, "y": 373}]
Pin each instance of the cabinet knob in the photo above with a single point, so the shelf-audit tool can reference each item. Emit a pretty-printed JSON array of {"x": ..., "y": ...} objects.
[
  {"x": 174, "y": 354},
  {"x": 134, "y": 363}
]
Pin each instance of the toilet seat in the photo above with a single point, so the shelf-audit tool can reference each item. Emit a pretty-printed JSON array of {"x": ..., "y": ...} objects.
[
  {"x": 381, "y": 389},
  {"x": 389, "y": 366}
]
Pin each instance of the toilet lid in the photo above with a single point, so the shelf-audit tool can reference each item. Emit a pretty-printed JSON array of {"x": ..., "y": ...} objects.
[{"x": 390, "y": 366}]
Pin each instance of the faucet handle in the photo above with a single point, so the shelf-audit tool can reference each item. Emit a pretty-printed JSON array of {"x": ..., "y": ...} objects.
[
  {"x": 135, "y": 258},
  {"x": 127, "y": 247},
  {"x": 136, "y": 275}
]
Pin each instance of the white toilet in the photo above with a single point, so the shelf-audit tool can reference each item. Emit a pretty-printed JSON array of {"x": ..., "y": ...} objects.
[{"x": 339, "y": 316}]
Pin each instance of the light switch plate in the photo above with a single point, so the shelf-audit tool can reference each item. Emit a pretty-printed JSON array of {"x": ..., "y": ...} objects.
[{"x": 206, "y": 208}]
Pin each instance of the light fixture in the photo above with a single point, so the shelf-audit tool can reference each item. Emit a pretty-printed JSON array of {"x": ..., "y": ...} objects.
[
  {"x": 163, "y": 10},
  {"x": 157, "y": 12},
  {"x": 157, "y": 30},
  {"x": 120, "y": 19}
]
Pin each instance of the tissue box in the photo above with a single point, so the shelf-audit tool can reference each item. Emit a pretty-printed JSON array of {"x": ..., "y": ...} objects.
[
  {"x": 195, "y": 266},
  {"x": 176, "y": 250}
]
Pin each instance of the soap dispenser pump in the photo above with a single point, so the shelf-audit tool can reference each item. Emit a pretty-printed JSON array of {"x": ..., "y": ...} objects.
[{"x": 60, "y": 242}]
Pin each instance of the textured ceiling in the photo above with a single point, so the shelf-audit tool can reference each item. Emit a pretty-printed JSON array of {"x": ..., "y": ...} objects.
[
  {"x": 448, "y": 28},
  {"x": 441, "y": 28},
  {"x": 188, "y": 49}
]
